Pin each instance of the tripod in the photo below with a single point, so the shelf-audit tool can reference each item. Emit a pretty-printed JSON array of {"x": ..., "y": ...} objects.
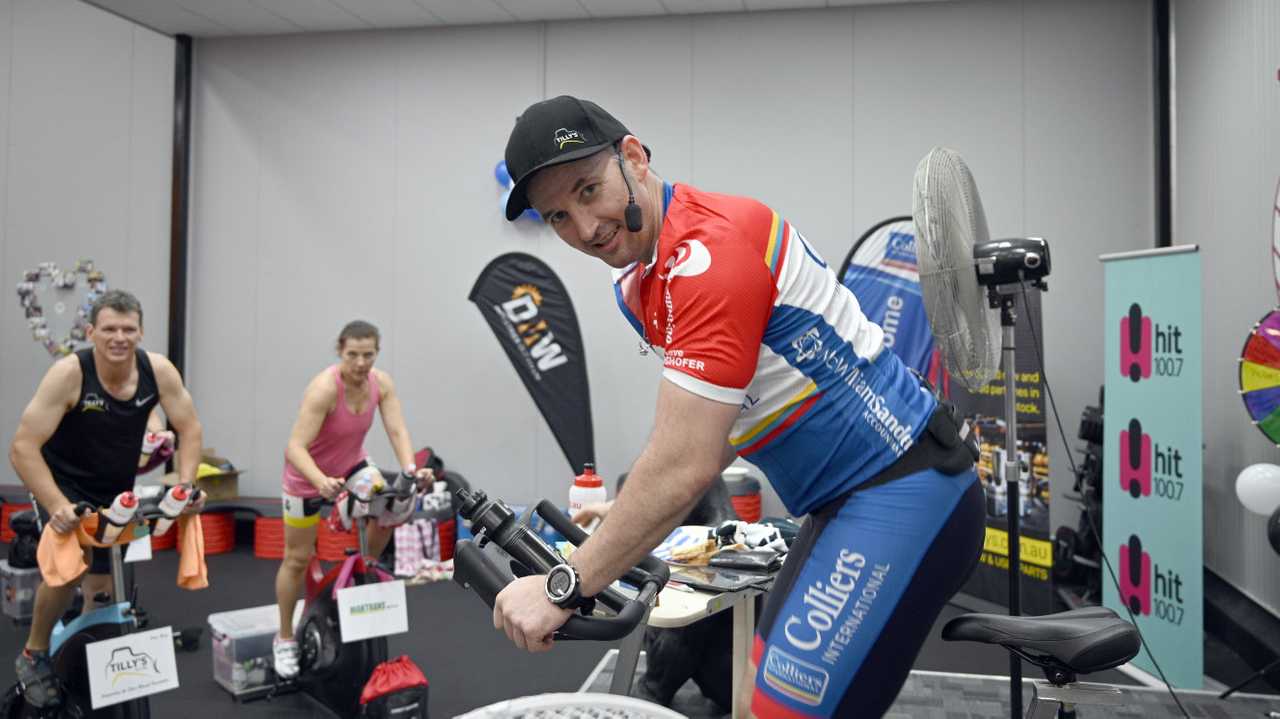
[{"x": 1004, "y": 298}]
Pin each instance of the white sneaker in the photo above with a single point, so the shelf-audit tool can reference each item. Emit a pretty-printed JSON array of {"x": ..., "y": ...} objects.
[{"x": 285, "y": 652}]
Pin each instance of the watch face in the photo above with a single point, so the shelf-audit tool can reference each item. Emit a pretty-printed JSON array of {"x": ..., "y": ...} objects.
[{"x": 560, "y": 583}]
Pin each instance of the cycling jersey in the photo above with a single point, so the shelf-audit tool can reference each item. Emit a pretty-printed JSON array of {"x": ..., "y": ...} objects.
[{"x": 746, "y": 312}]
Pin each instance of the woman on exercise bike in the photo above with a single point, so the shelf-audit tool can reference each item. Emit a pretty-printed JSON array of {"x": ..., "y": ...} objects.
[{"x": 326, "y": 443}]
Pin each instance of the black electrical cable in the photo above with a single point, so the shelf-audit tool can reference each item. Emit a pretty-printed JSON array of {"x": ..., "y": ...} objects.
[{"x": 1093, "y": 526}]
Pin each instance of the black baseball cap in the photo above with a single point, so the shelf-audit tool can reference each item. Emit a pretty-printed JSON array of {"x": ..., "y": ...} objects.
[{"x": 553, "y": 131}]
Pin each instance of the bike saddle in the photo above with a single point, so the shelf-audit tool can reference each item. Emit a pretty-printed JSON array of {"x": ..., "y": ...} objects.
[
  {"x": 505, "y": 548},
  {"x": 1063, "y": 644}
]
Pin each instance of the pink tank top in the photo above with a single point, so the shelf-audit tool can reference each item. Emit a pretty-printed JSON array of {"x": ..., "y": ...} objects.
[{"x": 339, "y": 445}]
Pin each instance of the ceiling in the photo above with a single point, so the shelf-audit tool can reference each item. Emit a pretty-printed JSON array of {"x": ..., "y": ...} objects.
[{"x": 213, "y": 18}]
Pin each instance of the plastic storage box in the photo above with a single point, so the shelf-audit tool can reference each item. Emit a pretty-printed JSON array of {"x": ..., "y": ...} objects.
[
  {"x": 18, "y": 589},
  {"x": 241, "y": 645}
]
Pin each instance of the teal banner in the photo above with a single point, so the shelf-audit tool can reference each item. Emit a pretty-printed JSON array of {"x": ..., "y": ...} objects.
[{"x": 1152, "y": 509}]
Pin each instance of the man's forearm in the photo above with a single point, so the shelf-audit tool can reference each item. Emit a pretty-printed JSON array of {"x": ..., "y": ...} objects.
[
  {"x": 190, "y": 446},
  {"x": 650, "y": 506}
]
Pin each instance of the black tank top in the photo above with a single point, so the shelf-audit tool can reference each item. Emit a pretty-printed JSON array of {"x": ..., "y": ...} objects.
[{"x": 94, "y": 452}]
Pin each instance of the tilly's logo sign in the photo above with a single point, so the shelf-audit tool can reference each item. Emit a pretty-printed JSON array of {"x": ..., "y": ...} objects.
[
  {"x": 565, "y": 136},
  {"x": 1146, "y": 346},
  {"x": 1145, "y": 465},
  {"x": 93, "y": 403},
  {"x": 126, "y": 663},
  {"x": 530, "y": 331},
  {"x": 1147, "y": 588}
]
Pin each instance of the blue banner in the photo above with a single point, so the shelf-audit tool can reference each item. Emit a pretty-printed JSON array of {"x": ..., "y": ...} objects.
[
  {"x": 882, "y": 274},
  {"x": 1152, "y": 517}
]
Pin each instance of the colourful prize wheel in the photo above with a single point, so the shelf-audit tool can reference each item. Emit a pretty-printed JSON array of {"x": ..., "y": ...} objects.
[{"x": 1260, "y": 375}]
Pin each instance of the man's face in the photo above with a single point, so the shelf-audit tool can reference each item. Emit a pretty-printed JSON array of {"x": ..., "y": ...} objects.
[
  {"x": 357, "y": 357},
  {"x": 584, "y": 202},
  {"x": 115, "y": 335}
]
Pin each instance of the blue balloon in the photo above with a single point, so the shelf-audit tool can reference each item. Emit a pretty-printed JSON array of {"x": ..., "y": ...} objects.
[
  {"x": 501, "y": 174},
  {"x": 531, "y": 214}
]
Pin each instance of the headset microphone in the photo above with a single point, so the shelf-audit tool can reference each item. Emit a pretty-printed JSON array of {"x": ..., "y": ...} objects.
[{"x": 635, "y": 222}]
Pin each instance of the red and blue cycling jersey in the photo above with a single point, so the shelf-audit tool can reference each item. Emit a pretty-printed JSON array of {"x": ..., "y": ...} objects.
[{"x": 746, "y": 312}]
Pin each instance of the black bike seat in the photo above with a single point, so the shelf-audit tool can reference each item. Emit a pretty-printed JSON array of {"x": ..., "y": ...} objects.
[{"x": 1081, "y": 640}]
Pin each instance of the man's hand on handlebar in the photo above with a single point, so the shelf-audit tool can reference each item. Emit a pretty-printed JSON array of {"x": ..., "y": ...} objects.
[
  {"x": 196, "y": 504},
  {"x": 331, "y": 487},
  {"x": 529, "y": 619},
  {"x": 65, "y": 519}
]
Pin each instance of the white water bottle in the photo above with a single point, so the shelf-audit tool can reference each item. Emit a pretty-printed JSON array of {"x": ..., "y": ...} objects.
[
  {"x": 588, "y": 488},
  {"x": 120, "y": 513},
  {"x": 171, "y": 506}
]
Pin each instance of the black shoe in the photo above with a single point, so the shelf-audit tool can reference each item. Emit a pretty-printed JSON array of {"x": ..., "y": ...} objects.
[{"x": 38, "y": 682}]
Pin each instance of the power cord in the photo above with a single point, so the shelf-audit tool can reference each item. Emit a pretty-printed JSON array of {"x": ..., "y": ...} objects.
[{"x": 1093, "y": 525}]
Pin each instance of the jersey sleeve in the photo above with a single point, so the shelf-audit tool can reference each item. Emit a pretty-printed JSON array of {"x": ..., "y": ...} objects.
[{"x": 718, "y": 296}]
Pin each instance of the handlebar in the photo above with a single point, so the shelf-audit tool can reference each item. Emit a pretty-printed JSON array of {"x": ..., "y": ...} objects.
[{"x": 523, "y": 552}]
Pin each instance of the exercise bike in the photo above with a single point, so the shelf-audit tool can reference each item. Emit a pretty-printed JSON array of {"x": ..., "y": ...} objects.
[
  {"x": 505, "y": 548},
  {"x": 330, "y": 671},
  {"x": 1063, "y": 645},
  {"x": 108, "y": 620}
]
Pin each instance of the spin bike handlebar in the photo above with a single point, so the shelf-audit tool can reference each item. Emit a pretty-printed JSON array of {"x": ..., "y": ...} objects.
[{"x": 494, "y": 523}]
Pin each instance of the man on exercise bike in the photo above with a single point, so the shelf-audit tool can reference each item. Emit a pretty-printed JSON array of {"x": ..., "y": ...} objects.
[
  {"x": 768, "y": 357},
  {"x": 78, "y": 441}
]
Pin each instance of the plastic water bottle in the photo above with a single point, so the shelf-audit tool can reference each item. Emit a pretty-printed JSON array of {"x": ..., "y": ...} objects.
[
  {"x": 120, "y": 513},
  {"x": 171, "y": 506},
  {"x": 588, "y": 488}
]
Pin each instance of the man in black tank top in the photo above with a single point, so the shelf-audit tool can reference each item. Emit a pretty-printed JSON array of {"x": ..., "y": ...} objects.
[{"x": 79, "y": 441}]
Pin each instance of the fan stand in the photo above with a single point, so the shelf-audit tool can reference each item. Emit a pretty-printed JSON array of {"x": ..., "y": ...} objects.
[{"x": 1004, "y": 298}]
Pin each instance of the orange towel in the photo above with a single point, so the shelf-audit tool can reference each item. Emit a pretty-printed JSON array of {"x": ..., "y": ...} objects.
[
  {"x": 61, "y": 556},
  {"x": 193, "y": 573}
]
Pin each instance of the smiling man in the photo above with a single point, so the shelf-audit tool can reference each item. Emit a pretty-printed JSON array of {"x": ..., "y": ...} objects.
[
  {"x": 78, "y": 441},
  {"x": 768, "y": 357}
]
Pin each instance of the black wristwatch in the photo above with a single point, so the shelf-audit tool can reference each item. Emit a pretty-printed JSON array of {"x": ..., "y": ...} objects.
[{"x": 564, "y": 587}]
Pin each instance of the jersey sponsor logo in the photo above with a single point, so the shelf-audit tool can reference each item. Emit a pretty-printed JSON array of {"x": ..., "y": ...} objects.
[
  {"x": 690, "y": 260},
  {"x": 807, "y": 345},
  {"x": 93, "y": 403},
  {"x": 677, "y": 360},
  {"x": 565, "y": 136},
  {"x": 812, "y": 358},
  {"x": 794, "y": 677}
]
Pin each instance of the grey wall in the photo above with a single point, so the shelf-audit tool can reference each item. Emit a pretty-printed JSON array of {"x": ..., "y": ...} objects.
[
  {"x": 1228, "y": 167},
  {"x": 86, "y": 109},
  {"x": 351, "y": 175}
]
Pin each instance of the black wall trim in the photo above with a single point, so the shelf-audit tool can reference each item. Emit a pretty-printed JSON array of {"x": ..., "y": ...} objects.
[
  {"x": 179, "y": 202},
  {"x": 1161, "y": 46}
]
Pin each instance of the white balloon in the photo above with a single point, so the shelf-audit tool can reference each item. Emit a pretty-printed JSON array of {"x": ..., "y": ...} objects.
[{"x": 1258, "y": 487}]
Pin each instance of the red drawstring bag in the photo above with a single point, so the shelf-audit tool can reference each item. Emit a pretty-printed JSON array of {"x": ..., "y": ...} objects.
[{"x": 397, "y": 688}]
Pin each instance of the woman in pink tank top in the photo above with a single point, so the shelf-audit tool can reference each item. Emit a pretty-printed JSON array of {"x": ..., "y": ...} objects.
[{"x": 326, "y": 443}]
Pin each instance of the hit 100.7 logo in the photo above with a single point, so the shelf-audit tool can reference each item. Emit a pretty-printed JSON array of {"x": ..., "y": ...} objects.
[
  {"x": 1148, "y": 467},
  {"x": 1146, "y": 588},
  {"x": 1146, "y": 346}
]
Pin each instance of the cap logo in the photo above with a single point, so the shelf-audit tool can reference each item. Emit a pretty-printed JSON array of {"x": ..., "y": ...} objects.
[{"x": 566, "y": 136}]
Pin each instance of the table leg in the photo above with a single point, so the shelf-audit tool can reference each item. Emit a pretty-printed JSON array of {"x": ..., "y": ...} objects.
[
  {"x": 624, "y": 669},
  {"x": 744, "y": 624}
]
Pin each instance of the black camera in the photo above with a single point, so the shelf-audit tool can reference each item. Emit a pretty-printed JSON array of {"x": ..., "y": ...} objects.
[{"x": 1011, "y": 261}]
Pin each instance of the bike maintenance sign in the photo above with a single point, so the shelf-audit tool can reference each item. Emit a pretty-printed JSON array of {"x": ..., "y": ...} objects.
[
  {"x": 130, "y": 667},
  {"x": 1152, "y": 514},
  {"x": 372, "y": 610}
]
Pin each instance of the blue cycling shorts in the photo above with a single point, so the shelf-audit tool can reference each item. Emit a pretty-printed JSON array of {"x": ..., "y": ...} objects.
[{"x": 861, "y": 588}]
